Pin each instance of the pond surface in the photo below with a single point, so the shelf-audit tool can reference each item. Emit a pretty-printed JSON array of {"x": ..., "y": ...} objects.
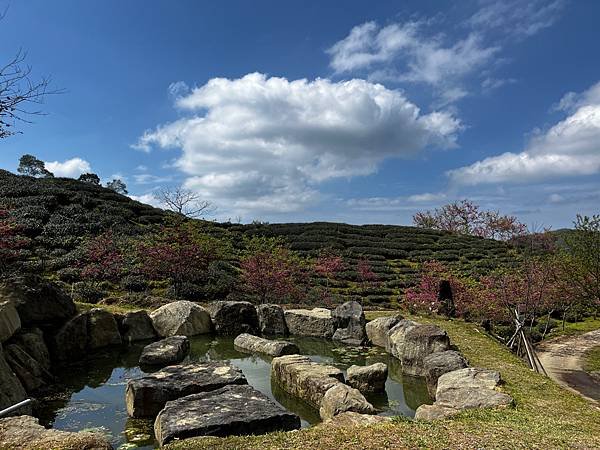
[{"x": 96, "y": 386}]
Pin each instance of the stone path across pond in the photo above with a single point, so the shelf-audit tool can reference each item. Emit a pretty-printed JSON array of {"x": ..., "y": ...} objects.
[{"x": 563, "y": 360}]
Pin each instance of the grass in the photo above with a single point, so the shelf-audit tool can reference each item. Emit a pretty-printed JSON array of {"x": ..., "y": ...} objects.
[
  {"x": 545, "y": 415},
  {"x": 592, "y": 360},
  {"x": 574, "y": 328}
]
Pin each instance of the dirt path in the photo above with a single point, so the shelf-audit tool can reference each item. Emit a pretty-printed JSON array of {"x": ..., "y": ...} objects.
[{"x": 563, "y": 360}]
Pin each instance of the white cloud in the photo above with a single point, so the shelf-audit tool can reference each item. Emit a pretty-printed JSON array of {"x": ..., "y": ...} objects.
[
  {"x": 148, "y": 199},
  {"x": 569, "y": 148},
  {"x": 147, "y": 178},
  {"x": 403, "y": 203},
  {"x": 405, "y": 52},
  {"x": 70, "y": 168},
  {"x": 517, "y": 18},
  {"x": 264, "y": 144}
]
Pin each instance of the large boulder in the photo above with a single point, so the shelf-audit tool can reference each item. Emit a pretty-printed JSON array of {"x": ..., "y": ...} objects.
[
  {"x": 25, "y": 433},
  {"x": 171, "y": 350},
  {"x": 350, "y": 419},
  {"x": 368, "y": 378},
  {"x": 69, "y": 343},
  {"x": 462, "y": 389},
  {"x": 397, "y": 336},
  {"x": 32, "y": 342},
  {"x": 440, "y": 363},
  {"x": 378, "y": 330},
  {"x": 103, "y": 330},
  {"x": 146, "y": 396},
  {"x": 317, "y": 322},
  {"x": 231, "y": 410},
  {"x": 182, "y": 318},
  {"x": 233, "y": 318},
  {"x": 9, "y": 320},
  {"x": 39, "y": 302},
  {"x": 137, "y": 326},
  {"x": 303, "y": 378},
  {"x": 254, "y": 344},
  {"x": 271, "y": 320},
  {"x": 350, "y": 321},
  {"x": 341, "y": 398},
  {"x": 412, "y": 343},
  {"x": 11, "y": 389},
  {"x": 30, "y": 373}
]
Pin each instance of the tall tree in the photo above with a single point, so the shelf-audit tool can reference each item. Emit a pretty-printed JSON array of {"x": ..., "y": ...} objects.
[
  {"x": 33, "y": 167},
  {"x": 184, "y": 201},
  {"x": 118, "y": 186},
  {"x": 91, "y": 178}
]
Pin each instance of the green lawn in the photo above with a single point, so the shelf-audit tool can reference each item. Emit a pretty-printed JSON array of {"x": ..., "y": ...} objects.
[
  {"x": 545, "y": 416},
  {"x": 592, "y": 360},
  {"x": 573, "y": 328}
]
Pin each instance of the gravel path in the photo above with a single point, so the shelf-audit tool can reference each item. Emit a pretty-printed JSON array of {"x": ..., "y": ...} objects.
[{"x": 563, "y": 360}]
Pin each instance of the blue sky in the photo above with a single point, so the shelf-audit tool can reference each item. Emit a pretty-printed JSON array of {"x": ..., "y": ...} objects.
[{"x": 309, "y": 111}]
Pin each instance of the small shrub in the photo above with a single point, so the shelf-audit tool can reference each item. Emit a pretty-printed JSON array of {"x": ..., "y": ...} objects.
[
  {"x": 89, "y": 292},
  {"x": 134, "y": 283}
]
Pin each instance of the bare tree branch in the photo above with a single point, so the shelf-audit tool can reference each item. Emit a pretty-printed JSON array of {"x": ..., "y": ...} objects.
[{"x": 185, "y": 202}]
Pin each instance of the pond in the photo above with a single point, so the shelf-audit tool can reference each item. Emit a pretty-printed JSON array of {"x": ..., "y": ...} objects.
[{"x": 95, "y": 388}]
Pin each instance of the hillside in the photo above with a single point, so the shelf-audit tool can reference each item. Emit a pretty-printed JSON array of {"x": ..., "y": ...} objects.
[{"x": 58, "y": 214}]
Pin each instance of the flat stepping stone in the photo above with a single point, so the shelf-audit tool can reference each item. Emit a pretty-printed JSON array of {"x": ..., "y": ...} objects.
[
  {"x": 146, "y": 396},
  {"x": 171, "y": 350},
  {"x": 231, "y": 410},
  {"x": 254, "y": 344}
]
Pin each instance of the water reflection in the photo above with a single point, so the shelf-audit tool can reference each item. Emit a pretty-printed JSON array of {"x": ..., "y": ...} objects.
[{"x": 94, "y": 389}]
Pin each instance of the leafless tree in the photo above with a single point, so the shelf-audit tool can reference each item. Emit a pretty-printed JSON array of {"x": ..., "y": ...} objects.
[
  {"x": 184, "y": 201},
  {"x": 19, "y": 93}
]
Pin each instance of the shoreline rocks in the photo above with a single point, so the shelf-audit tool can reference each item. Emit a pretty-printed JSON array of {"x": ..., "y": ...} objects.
[
  {"x": 303, "y": 378},
  {"x": 271, "y": 320},
  {"x": 255, "y": 344},
  {"x": 137, "y": 326},
  {"x": 10, "y": 321},
  {"x": 103, "y": 330},
  {"x": 181, "y": 318},
  {"x": 231, "y": 410},
  {"x": 350, "y": 321},
  {"x": 233, "y": 318},
  {"x": 146, "y": 396},
  {"x": 437, "y": 364},
  {"x": 316, "y": 322},
  {"x": 171, "y": 350},
  {"x": 342, "y": 398},
  {"x": 370, "y": 378},
  {"x": 378, "y": 330}
]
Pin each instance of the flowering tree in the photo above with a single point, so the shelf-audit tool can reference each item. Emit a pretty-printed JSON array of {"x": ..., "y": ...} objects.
[
  {"x": 328, "y": 265},
  {"x": 178, "y": 254},
  {"x": 11, "y": 243},
  {"x": 466, "y": 217},
  {"x": 271, "y": 272},
  {"x": 103, "y": 258}
]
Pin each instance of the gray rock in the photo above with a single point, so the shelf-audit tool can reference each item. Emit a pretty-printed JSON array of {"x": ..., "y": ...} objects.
[
  {"x": 9, "y": 320},
  {"x": 11, "y": 389},
  {"x": 421, "y": 341},
  {"x": 368, "y": 378},
  {"x": 30, "y": 373},
  {"x": 271, "y": 320},
  {"x": 182, "y": 318},
  {"x": 69, "y": 343},
  {"x": 470, "y": 377},
  {"x": 434, "y": 412},
  {"x": 25, "y": 432},
  {"x": 303, "y": 378},
  {"x": 342, "y": 398},
  {"x": 397, "y": 336},
  {"x": 103, "y": 330},
  {"x": 39, "y": 302},
  {"x": 231, "y": 410},
  {"x": 32, "y": 341},
  {"x": 171, "y": 350},
  {"x": 317, "y": 322},
  {"x": 146, "y": 396},
  {"x": 137, "y": 326},
  {"x": 233, "y": 318},
  {"x": 350, "y": 419},
  {"x": 440, "y": 363},
  {"x": 255, "y": 344},
  {"x": 350, "y": 321},
  {"x": 378, "y": 330}
]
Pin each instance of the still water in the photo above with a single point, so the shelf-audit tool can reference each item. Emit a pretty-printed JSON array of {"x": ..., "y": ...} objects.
[{"x": 95, "y": 388}]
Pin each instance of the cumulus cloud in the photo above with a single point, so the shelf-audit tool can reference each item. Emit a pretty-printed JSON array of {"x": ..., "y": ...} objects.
[
  {"x": 569, "y": 148},
  {"x": 264, "y": 144},
  {"x": 148, "y": 198},
  {"x": 405, "y": 52},
  {"x": 402, "y": 203},
  {"x": 70, "y": 168}
]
